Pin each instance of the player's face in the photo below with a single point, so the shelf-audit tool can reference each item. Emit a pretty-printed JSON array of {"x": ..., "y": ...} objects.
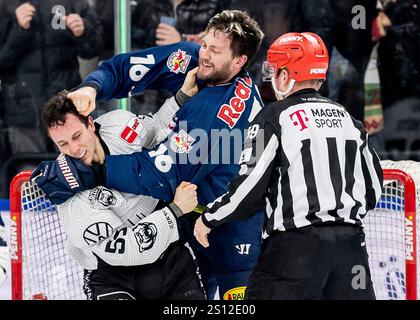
[
  {"x": 216, "y": 63},
  {"x": 73, "y": 138}
]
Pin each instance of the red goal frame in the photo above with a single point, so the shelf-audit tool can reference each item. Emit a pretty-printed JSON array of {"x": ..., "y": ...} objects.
[{"x": 389, "y": 174}]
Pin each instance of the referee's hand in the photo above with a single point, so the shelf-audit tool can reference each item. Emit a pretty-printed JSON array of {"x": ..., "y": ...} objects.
[{"x": 201, "y": 232}]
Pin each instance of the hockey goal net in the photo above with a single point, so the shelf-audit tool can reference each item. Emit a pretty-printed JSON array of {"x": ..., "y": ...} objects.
[{"x": 41, "y": 267}]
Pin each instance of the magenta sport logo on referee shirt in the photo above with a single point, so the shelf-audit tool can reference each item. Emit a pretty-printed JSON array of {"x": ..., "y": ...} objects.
[
  {"x": 299, "y": 118},
  {"x": 131, "y": 130}
]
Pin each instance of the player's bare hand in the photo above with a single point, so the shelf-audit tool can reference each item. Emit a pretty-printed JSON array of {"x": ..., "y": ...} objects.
[
  {"x": 75, "y": 24},
  {"x": 189, "y": 87},
  {"x": 24, "y": 14},
  {"x": 186, "y": 197},
  {"x": 201, "y": 232},
  {"x": 166, "y": 34},
  {"x": 83, "y": 99}
]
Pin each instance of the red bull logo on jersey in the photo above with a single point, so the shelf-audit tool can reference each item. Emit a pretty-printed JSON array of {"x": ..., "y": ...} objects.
[
  {"x": 235, "y": 294},
  {"x": 181, "y": 142},
  {"x": 178, "y": 61},
  {"x": 131, "y": 130}
]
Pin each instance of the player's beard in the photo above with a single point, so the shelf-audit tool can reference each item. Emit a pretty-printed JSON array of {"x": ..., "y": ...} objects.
[{"x": 217, "y": 76}]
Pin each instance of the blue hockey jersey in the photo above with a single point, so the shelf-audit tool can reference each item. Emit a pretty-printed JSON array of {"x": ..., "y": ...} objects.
[{"x": 204, "y": 147}]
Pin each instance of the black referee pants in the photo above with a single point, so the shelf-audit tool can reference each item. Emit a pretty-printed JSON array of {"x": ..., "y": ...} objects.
[{"x": 315, "y": 262}]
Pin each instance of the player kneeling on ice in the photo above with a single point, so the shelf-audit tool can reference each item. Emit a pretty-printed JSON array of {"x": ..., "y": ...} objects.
[
  {"x": 127, "y": 244},
  {"x": 316, "y": 183}
]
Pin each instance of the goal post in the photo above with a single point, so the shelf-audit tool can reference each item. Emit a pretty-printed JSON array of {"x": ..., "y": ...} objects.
[{"x": 42, "y": 269}]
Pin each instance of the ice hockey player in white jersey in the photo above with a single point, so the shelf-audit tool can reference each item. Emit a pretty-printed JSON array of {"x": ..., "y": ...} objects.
[{"x": 123, "y": 241}]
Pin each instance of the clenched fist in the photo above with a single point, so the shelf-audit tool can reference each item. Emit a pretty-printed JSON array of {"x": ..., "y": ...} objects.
[
  {"x": 186, "y": 197},
  {"x": 83, "y": 99},
  {"x": 75, "y": 24}
]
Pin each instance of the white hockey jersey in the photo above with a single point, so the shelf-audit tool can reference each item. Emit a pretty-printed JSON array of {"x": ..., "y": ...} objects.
[{"x": 119, "y": 227}]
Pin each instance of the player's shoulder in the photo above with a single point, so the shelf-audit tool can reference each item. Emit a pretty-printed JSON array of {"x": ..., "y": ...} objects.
[
  {"x": 271, "y": 112},
  {"x": 114, "y": 117}
]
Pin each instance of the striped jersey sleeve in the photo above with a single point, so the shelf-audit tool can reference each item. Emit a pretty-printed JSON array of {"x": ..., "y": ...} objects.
[
  {"x": 247, "y": 192},
  {"x": 316, "y": 165}
]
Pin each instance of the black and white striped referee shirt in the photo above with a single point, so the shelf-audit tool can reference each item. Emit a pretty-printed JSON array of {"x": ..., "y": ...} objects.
[{"x": 308, "y": 162}]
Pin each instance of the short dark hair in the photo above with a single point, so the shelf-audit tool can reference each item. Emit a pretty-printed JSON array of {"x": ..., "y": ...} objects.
[
  {"x": 244, "y": 32},
  {"x": 57, "y": 108}
]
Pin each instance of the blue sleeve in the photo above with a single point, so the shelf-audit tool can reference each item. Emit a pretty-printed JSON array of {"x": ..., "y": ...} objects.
[
  {"x": 137, "y": 173},
  {"x": 131, "y": 73}
]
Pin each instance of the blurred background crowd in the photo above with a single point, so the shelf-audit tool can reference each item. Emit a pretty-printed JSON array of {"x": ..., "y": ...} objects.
[{"x": 374, "y": 70}]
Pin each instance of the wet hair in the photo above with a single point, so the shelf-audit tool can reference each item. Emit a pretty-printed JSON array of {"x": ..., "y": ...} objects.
[
  {"x": 56, "y": 109},
  {"x": 244, "y": 32}
]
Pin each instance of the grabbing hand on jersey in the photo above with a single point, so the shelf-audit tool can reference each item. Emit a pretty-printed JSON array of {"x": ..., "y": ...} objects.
[
  {"x": 83, "y": 99},
  {"x": 186, "y": 197},
  {"x": 189, "y": 87},
  {"x": 201, "y": 232}
]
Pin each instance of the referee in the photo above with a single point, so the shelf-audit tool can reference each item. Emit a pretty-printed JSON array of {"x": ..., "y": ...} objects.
[{"x": 310, "y": 164}]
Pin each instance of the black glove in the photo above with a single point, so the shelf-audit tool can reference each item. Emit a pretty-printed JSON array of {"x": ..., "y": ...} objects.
[{"x": 62, "y": 178}]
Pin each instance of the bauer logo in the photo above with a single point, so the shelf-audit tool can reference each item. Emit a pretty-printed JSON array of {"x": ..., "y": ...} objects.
[
  {"x": 235, "y": 294},
  {"x": 132, "y": 130},
  {"x": 178, "y": 61}
]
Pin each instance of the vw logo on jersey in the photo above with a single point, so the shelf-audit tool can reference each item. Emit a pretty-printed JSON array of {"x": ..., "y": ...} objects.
[
  {"x": 145, "y": 234},
  {"x": 178, "y": 61},
  {"x": 97, "y": 232}
]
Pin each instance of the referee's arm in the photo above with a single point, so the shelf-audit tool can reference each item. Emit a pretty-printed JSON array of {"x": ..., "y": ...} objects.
[{"x": 246, "y": 193}]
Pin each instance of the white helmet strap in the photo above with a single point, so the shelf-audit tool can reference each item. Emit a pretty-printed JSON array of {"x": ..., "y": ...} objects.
[{"x": 280, "y": 95}]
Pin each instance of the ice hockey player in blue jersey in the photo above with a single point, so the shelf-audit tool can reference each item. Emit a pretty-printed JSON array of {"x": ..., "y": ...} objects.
[{"x": 206, "y": 143}]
